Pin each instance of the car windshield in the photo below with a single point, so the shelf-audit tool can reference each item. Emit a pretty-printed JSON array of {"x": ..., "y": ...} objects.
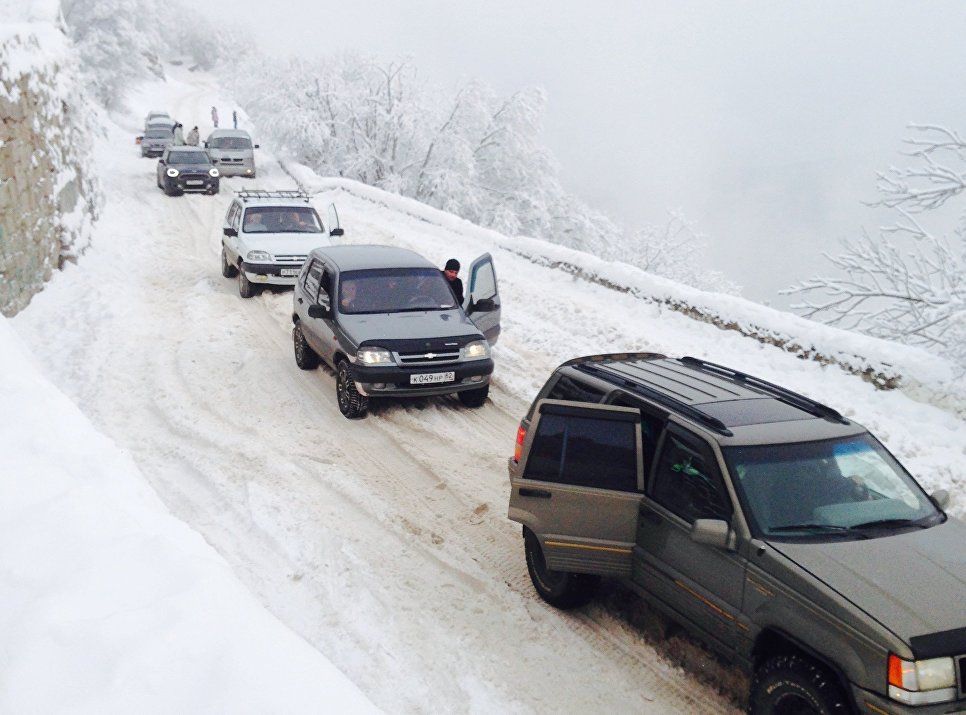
[
  {"x": 230, "y": 143},
  {"x": 281, "y": 219},
  {"x": 188, "y": 157},
  {"x": 158, "y": 134},
  {"x": 394, "y": 290},
  {"x": 849, "y": 487}
]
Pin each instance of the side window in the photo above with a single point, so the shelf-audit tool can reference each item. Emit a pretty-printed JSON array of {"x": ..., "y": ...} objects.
[
  {"x": 571, "y": 447},
  {"x": 687, "y": 480},
  {"x": 651, "y": 427},
  {"x": 312, "y": 277},
  {"x": 326, "y": 283},
  {"x": 484, "y": 281},
  {"x": 567, "y": 388}
]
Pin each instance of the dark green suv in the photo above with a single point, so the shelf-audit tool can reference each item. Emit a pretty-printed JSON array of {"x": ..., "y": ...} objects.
[{"x": 782, "y": 534}]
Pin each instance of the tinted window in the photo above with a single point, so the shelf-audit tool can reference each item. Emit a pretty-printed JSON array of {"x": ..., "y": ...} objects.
[
  {"x": 651, "y": 428},
  {"x": 483, "y": 283},
  {"x": 394, "y": 290},
  {"x": 572, "y": 449},
  {"x": 687, "y": 480},
  {"x": 188, "y": 157},
  {"x": 326, "y": 283},
  {"x": 567, "y": 388}
]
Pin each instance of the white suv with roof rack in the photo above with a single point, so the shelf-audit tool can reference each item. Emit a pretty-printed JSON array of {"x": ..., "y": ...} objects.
[{"x": 267, "y": 236}]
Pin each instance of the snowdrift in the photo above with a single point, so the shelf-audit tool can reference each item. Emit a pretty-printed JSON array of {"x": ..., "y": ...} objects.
[{"x": 110, "y": 604}]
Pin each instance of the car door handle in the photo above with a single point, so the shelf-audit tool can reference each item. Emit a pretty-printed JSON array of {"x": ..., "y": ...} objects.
[{"x": 538, "y": 493}]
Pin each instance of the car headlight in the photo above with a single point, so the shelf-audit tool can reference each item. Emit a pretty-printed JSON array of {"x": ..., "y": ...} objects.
[
  {"x": 258, "y": 256},
  {"x": 213, "y": 172},
  {"x": 919, "y": 682},
  {"x": 172, "y": 172},
  {"x": 374, "y": 356},
  {"x": 476, "y": 350}
]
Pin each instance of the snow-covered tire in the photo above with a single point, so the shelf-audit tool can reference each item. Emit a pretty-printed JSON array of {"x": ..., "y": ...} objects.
[
  {"x": 793, "y": 683},
  {"x": 228, "y": 270},
  {"x": 305, "y": 357},
  {"x": 561, "y": 589},
  {"x": 246, "y": 289},
  {"x": 352, "y": 404},
  {"x": 474, "y": 398}
]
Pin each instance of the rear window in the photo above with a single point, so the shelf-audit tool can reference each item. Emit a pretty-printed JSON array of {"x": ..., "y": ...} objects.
[
  {"x": 158, "y": 134},
  {"x": 567, "y": 388}
]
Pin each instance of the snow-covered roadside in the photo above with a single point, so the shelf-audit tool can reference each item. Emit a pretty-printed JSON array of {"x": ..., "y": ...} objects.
[{"x": 110, "y": 604}]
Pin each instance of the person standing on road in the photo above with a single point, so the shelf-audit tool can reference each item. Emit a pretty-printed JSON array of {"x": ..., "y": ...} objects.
[
  {"x": 214, "y": 116},
  {"x": 451, "y": 274},
  {"x": 178, "y": 134},
  {"x": 192, "y": 138},
  {"x": 234, "y": 118}
]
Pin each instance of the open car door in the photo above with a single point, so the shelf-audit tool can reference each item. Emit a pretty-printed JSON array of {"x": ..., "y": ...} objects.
[
  {"x": 580, "y": 484},
  {"x": 482, "y": 300},
  {"x": 335, "y": 228}
]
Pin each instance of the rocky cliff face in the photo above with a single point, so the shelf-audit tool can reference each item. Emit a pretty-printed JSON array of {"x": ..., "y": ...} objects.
[{"x": 48, "y": 200}]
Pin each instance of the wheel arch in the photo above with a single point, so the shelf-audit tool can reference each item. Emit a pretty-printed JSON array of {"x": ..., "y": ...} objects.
[{"x": 772, "y": 642}]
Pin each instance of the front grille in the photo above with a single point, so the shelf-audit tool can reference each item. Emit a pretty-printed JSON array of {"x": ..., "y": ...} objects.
[
  {"x": 289, "y": 258},
  {"x": 961, "y": 670},
  {"x": 427, "y": 357},
  {"x": 193, "y": 177}
]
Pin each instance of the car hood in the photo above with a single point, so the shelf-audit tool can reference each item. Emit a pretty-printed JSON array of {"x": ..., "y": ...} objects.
[
  {"x": 416, "y": 326},
  {"x": 912, "y": 583},
  {"x": 286, "y": 244}
]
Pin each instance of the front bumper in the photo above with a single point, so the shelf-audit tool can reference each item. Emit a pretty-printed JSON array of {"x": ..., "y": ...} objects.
[
  {"x": 271, "y": 273},
  {"x": 392, "y": 380},
  {"x": 206, "y": 184},
  {"x": 869, "y": 702},
  {"x": 235, "y": 169}
]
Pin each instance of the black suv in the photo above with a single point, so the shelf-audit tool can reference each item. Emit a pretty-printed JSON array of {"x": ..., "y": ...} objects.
[{"x": 778, "y": 531}]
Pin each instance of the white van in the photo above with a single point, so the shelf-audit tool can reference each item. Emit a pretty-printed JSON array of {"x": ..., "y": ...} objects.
[{"x": 232, "y": 152}]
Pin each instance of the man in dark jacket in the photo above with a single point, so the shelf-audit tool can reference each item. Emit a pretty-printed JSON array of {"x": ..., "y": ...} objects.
[{"x": 450, "y": 273}]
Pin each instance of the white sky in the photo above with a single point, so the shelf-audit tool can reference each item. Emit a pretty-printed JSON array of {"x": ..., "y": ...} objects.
[{"x": 763, "y": 121}]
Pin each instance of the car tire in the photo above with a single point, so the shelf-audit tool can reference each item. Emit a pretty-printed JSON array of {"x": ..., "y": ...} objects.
[
  {"x": 305, "y": 357},
  {"x": 793, "y": 683},
  {"x": 561, "y": 589},
  {"x": 352, "y": 404},
  {"x": 474, "y": 398},
  {"x": 228, "y": 270},
  {"x": 246, "y": 289}
]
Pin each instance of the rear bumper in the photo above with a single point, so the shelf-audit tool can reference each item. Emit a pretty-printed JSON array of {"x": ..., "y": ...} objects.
[{"x": 394, "y": 380}]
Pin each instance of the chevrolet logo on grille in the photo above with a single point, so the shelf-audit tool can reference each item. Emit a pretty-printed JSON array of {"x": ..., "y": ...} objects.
[{"x": 429, "y": 356}]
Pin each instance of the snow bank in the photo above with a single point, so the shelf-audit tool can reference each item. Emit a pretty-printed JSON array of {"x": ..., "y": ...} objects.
[
  {"x": 107, "y": 602},
  {"x": 885, "y": 364}
]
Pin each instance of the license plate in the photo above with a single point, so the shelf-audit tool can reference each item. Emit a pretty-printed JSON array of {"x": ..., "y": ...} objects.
[
  {"x": 290, "y": 271},
  {"x": 194, "y": 182},
  {"x": 428, "y": 378}
]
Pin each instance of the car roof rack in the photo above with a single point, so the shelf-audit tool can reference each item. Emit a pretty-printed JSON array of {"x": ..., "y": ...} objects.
[
  {"x": 247, "y": 194},
  {"x": 682, "y": 408},
  {"x": 612, "y": 357},
  {"x": 805, "y": 404}
]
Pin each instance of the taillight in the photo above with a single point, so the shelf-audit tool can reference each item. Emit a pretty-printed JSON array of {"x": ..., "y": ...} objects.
[{"x": 518, "y": 449}]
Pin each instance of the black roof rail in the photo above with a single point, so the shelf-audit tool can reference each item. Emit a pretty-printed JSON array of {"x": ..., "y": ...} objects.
[
  {"x": 806, "y": 404},
  {"x": 612, "y": 357},
  {"x": 679, "y": 407},
  {"x": 246, "y": 194}
]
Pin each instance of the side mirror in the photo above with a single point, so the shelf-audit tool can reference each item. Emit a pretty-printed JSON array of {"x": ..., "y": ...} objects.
[
  {"x": 940, "y": 498},
  {"x": 161, "y": 162},
  {"x": 713, "y": 532},
  {"x": 256, "y": 146},
  {"x": 205, "y": 144},
  {"x": 485, "y": 305},
  {"x": 337, "y": 232},
  {"x": 319, "y": 311},
  {"x": 229, "y": 231}
]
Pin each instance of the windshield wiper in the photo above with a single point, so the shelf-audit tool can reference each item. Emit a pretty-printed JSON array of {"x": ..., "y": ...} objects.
[
  {"x": 889, "y": 522},
  {"x": 811, "y": 527}
]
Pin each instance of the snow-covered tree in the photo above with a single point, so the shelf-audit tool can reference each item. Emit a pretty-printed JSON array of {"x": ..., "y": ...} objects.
[{"x": 906, "y": 283}]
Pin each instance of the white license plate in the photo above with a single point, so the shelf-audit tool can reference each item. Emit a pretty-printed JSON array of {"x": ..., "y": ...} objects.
[
  {"x": 194, "y": 182},
  {"x": 290, "y": 271},
  {"x": 428, "y": 378}
]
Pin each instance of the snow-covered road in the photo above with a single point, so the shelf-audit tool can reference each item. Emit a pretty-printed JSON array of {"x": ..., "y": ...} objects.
[{"x": 383, "y": 542}]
